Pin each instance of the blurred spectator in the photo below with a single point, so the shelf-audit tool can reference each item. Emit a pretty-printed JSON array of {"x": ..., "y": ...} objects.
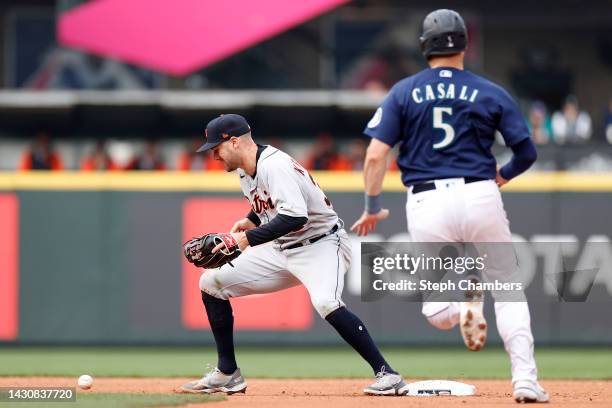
[
  {"x": 190, "y": 159},
  {"x": 378, "y": 72},
  {"x": 276, "y": 141},
  {"x": 323, "y": 155},
  {"x": 211, "y": 163},
  {"x": 539, "y": 123},
  {"x": 353, "y": 160},
  {"x": 608, "y": 123},
  {"x": 356, "y": 153},
  {"x": 40, "y": 155},
  {"x": 570, "y": 125},
  {"x": 149, "y": 159},
  {"x": 98, "y": 160}
]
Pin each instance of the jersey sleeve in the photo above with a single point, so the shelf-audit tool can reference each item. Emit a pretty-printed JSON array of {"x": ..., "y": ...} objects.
[
  {"x": 385, "y": 125},
  {"x": 284, "y": 188},
  {"x": 512, "y": 124}
]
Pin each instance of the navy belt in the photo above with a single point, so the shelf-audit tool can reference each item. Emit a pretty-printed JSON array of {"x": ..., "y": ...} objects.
[
  {"x": 312, "y": 240},
  {"x": 419, "y": 188}
]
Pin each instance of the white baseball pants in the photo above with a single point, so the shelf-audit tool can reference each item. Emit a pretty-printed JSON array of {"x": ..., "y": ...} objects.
[
  {"x": 473, "y": 212},
  {"x": 320, "y": 267}
]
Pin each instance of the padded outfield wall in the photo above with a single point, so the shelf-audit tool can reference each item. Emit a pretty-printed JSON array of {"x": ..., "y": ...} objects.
[{"x": 96, "y": 258}]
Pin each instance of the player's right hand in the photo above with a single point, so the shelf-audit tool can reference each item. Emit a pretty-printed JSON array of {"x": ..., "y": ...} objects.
[
  {"x": 367, "y": 222},
  {"x": 243, "y": 225}
]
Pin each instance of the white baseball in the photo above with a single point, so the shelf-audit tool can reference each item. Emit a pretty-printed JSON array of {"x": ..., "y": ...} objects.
[{"x": 85, "y": 382}]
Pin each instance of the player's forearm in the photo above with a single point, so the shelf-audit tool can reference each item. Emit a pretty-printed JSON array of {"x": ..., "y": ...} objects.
[
  {"x": 374, "y": 174},
  {"x": 524, "y": 155},
  {"x": 254, "y": 218},
  {"x": 374, "y": 171},
  {"x": 277, "y": 227}
]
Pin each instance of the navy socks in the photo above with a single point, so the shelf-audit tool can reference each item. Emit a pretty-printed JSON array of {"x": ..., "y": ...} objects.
[
  {"x": 221, "y": 321},
  {"x": 354, "y": 332},
  {"x": 349, "y": 326}
]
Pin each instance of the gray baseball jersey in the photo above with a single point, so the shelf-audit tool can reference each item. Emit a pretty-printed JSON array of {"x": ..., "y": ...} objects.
[{"x": 282, "y": 186}]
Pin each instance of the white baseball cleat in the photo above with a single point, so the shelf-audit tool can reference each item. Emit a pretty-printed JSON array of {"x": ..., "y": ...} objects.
[
  {"x": 216, "y": 381},
  {"x": 529, "y": 391},
  {"x": 387, "y": 384},
  {"x": 472, "y": 321}
]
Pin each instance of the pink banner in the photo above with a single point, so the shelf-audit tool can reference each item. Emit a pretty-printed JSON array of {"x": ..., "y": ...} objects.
[
  {"x": 9, "y": 272},
  {"x": 181, "y": 36}
]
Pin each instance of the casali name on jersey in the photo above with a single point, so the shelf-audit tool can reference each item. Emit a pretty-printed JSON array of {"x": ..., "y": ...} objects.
[{"x": 443, "y": 90}]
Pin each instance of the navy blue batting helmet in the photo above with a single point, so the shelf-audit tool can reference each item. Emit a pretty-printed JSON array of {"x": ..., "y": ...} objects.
[{"x": 444, "y": 33}]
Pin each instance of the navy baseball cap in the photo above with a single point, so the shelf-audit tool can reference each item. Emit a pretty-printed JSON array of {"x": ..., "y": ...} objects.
[{"x": 222, "y": 128}]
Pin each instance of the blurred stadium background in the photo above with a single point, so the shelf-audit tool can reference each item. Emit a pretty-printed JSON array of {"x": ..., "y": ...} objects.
[
  {"x": 74, "y": 74},
  {"x": 102, "y": 104}
]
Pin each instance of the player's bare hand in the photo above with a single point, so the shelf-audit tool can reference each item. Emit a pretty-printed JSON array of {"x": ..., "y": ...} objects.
[
  {"x": 499, "y": 179},
  {"x": 243, "y": 225},
  {"x": 240, "y": 238},
  {"x": 367, "y": 222}
]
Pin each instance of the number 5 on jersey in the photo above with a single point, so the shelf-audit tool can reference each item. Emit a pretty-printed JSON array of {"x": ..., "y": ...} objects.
[{"x": 438, "y": 123}]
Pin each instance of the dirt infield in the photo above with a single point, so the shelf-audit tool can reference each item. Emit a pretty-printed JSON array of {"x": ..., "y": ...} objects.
[{"x": 339, "y": 393}]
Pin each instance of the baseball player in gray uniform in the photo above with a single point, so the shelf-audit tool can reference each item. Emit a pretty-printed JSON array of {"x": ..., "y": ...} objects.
[{"x": 292, "y": 236}]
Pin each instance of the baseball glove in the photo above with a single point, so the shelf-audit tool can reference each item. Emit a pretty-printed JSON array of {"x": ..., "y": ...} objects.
[{"x": 198, "y": 250}]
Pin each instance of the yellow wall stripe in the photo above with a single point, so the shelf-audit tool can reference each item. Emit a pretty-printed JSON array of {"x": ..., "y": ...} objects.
[{"x": 220, "y": 181}]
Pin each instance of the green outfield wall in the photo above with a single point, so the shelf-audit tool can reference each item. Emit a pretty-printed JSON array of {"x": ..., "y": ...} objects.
[{"x": 97, "y": 259}]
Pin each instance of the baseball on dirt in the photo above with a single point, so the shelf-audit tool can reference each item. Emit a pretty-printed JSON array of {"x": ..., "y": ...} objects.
[{"x": 85, "y": 382}]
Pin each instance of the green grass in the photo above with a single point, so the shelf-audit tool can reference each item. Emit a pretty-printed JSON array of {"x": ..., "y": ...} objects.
[
  {"x": 561, "y": 363},
  {"x": 100, "y": 400}
]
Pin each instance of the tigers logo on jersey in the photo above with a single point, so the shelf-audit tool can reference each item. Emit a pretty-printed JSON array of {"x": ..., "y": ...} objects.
[{"x": 260, "y": 205}]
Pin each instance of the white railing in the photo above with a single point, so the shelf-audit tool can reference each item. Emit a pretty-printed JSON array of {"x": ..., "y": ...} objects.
[{"x": 240, "y": 99}]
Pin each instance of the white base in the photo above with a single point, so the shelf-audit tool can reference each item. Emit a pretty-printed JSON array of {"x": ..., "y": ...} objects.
[{"x": 432, "y": 388}]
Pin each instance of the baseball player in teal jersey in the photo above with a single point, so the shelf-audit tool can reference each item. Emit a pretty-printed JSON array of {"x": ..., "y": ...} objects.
[{"x": 444, "y": 119}]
